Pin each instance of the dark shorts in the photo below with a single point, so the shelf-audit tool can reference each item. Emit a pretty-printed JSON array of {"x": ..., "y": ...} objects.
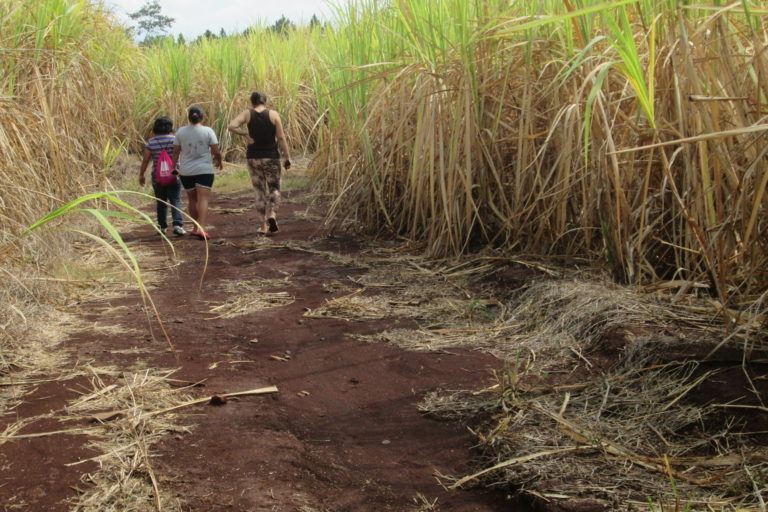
[{"x": 199, "y": 180}]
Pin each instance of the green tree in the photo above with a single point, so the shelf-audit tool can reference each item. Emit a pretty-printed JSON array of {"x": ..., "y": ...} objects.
[
  {"x": 282, "y": 26},
  {"x": 208, "y": 34},
  {"x": 150, "y": 20},
  {"x": 314, "y": 22}
]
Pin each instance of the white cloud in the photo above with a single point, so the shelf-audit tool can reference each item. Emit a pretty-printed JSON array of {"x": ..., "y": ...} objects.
[{"x": 193, "y": 17}]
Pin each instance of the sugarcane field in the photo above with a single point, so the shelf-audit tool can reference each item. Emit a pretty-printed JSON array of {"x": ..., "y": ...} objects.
[{"x": 384, "y": 255}]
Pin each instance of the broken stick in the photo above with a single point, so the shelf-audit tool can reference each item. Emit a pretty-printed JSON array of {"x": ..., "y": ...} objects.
[
  {"x": 120, "y": 414},
  {"x": 251, "y": 392}
]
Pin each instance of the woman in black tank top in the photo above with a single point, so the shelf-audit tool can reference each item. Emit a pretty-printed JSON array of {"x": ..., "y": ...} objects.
[
  {"x": 262, "y": 132},
  {"x": 266, "y": 141}
]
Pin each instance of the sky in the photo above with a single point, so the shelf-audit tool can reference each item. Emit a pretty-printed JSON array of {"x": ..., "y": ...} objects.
[{"x": 193, "y": 17}]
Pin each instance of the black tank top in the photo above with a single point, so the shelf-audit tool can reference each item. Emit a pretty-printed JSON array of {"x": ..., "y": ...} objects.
[{"x": 262, "y": 131}]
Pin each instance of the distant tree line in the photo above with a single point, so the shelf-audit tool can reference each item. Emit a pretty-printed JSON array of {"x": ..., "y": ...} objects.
[{"x": 153, "y": 25}]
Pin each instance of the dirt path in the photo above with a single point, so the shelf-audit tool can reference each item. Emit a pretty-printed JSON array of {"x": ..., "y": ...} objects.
[{"x": 342, "y": 434}]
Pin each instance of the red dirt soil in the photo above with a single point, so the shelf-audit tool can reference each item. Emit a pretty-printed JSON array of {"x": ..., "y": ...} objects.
[{"x": 354, "y": 442}]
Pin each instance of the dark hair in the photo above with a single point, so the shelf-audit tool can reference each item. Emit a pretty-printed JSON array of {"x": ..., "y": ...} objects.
[
  {"x": 196, "y": 114},
  {"x": 258, "y": 99},
  {"x": 162, "y": 126}
]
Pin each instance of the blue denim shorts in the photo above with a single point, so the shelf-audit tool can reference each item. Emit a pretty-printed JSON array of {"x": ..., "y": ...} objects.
[{"x": 198, "y": 180}]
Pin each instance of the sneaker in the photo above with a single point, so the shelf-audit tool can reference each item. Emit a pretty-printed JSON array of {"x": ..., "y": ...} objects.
[
  {"x": 272, "y": 225},
  {"x": 202, "y": 235},
  {"x": 179, "y": 231}
]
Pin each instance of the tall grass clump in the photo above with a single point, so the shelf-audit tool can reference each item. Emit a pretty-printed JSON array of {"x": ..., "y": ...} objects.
[
  {"x": 628, "y": 131},
  {"x": 65, "y": 99}
]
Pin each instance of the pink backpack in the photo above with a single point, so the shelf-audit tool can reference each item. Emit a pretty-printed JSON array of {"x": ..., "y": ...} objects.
[{"x": 164, "y": 170}]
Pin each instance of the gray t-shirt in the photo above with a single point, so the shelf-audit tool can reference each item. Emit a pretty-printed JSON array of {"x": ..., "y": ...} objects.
[{"x": 195, "y": 141}]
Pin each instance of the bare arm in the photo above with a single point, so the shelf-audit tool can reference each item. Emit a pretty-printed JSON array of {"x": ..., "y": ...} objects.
[
  {"x": 235, "y": 126},
  {"x": 216, "y": 156},
  {"x": 144, "y": 164},
  {"x": 281, "y": 140},
  {"x": 175, "y": 157}
]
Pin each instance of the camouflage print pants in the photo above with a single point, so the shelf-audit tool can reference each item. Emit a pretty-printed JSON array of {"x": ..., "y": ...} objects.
[{"x": 265, "y": 176}]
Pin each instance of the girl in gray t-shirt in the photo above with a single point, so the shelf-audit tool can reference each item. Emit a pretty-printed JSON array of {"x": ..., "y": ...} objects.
[{"x": 195, "y": 151}]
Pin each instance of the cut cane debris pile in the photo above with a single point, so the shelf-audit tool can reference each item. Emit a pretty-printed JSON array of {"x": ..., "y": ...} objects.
[
  {"x": 397, "y": 288},
  {"x": 552, "y": 320},
  {"x": 124, "y": 414},
  {"x": 636, "y": 427},
  {"x": 483, "y": 338},
  {"x": 359, "y": 307},
  {"x": 558, "y": 320},
  {"x": 250, "y": 297},
  {"x": 236, "y": 286},
  {"x": 318, "y": 247},
  {"x": 129, "y": 416},
  {"x": 336, "y": 286},
  {"x": 631, "y": 435}
]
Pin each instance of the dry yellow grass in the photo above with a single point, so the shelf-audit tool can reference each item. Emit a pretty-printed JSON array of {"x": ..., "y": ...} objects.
[
  {"x": 247, "y": 297},
  {"x": 630, "y": 135}
]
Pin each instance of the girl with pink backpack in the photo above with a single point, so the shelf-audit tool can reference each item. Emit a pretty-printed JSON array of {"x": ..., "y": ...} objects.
[{"x": 165, "y": 182}]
